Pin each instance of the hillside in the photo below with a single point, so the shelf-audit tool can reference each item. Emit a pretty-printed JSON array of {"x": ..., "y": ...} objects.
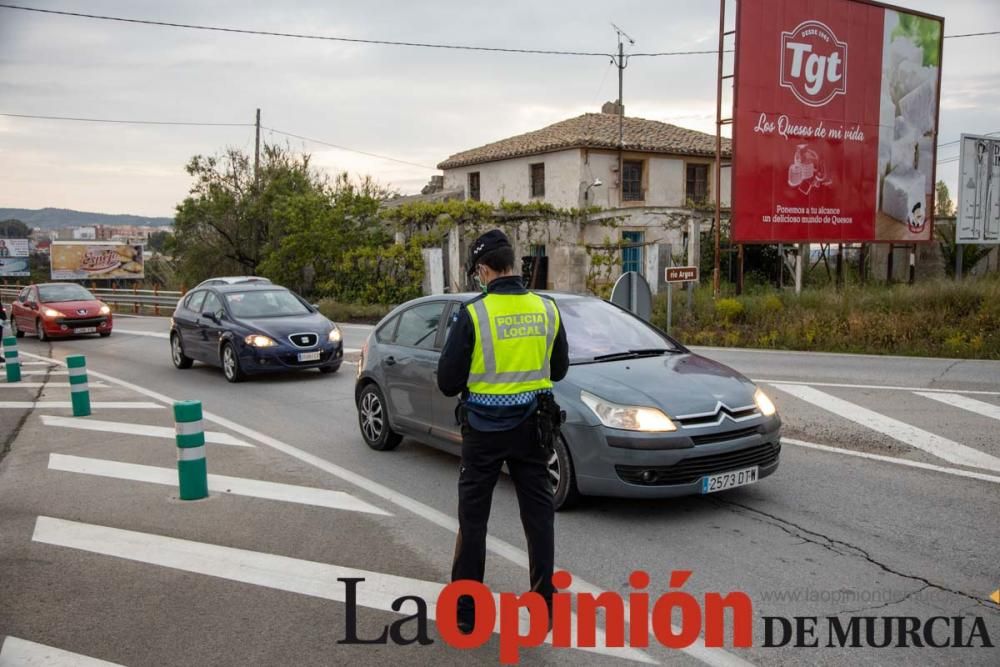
[{"x": 54, "y": 218}]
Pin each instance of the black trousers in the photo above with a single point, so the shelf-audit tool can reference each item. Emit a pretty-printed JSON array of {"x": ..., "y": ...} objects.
[{"x": 483, "y": 454}]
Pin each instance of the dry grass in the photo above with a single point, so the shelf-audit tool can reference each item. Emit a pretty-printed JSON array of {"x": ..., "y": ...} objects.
[{"x": 941, "y": 319}]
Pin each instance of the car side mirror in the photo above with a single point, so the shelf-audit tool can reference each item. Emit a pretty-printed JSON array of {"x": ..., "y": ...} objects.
[
  {"x": 315, "y": 306},
  {"x": 32, "y": 305},
  {"x": 210, "y": 316}
]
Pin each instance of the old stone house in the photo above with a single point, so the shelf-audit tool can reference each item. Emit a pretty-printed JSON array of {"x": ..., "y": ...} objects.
[{"x": 642, "y": 194}]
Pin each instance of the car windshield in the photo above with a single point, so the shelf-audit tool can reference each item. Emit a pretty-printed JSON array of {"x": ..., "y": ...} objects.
[
  {"x": 67, "y": 292},
  {"x": 595, "y": 328},
  {"x": 265, "y": 303}
]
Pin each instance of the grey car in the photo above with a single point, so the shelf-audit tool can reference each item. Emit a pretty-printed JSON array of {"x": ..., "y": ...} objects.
[{"x": 645, "y": 417}]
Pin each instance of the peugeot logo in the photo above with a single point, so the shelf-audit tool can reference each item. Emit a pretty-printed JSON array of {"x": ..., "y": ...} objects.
[{"x": 81, "y": 312}]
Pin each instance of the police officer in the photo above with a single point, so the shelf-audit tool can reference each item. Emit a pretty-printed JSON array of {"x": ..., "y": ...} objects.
[{"x": 505, "y": 348}]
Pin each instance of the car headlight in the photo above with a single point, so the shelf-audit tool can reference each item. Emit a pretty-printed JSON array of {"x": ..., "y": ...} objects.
[
  {"x": 764, "y": 403},
  {"x": 51, "y": 312},
  {"x": 627, "y": 417},
  {"x": 257, "y": 340},
  {"x": 335, "y": 334},
  {"x": 105, "y": 309}
]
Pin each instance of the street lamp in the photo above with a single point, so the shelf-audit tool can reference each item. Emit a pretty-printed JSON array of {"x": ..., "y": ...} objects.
[{"x": 586, "y": 193}]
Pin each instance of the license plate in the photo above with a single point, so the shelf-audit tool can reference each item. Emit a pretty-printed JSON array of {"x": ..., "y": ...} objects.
[
  {"x": 728, "y": 480},
  {"x": 85, "y": 330},
  {"x": 308, "y": 356}
]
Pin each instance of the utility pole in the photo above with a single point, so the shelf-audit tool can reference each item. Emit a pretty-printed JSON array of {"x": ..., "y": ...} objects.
[
  {"x": 621, "y": 63},
  {"x": 256, "y": 155}
]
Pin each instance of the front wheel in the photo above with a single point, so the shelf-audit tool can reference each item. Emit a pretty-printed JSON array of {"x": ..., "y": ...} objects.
[
  {"x": 328, "y": 369},
  {"x": 105, "y": 334},
  {"x": 40, "y": 331},
  {"x": 562, "y": 476},
  {"x": 374, "y": 420},
  {"x": 231, "y": 364}
]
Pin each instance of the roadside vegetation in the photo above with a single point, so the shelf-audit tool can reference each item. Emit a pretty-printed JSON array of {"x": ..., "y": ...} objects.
[{"x": 941, "y": 319}]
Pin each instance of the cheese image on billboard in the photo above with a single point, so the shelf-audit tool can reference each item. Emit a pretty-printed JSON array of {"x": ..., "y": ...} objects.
[
  {"x": 85, "y": 260},
  {"x": 835, "y": 122}
]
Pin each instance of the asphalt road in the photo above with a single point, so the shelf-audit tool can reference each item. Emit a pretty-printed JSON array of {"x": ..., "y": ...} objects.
[{"x": 880, "y": 511}]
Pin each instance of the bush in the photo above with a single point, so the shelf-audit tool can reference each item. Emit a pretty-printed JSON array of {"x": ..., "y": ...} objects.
[
  {"x": 352, "y": 312},
  {"x": 940, "y": 318},
  {"x": 366, "y": 274}
]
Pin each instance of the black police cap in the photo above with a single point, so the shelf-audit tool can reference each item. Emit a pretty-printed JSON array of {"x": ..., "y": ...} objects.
[{"x": 491, "y": 240}]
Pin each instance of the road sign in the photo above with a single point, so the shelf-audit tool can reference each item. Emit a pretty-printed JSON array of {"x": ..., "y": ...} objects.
[
  {"x": 632, "y": 293},
  {"x": 681, "y": 274},
  {"x": 978, "y": 199}
]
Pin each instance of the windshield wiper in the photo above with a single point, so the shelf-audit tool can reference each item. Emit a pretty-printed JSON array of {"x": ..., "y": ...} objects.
[{"x": 633, "y": 354}]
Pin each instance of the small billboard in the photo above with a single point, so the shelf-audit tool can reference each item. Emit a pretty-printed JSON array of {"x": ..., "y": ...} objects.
[
  {"x": 14, "y": 257},
  {"x": 71, "y": 260},
  {"x": 978, "y": 199}
]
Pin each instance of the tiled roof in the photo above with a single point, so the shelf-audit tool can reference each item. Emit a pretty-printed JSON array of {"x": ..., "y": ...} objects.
[{"x": 594, "y": 130}]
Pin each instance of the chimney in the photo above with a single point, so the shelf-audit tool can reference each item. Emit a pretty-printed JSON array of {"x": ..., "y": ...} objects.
[
  {"x": 436, "y": 185},
  {"x": 612, "y": 107}
]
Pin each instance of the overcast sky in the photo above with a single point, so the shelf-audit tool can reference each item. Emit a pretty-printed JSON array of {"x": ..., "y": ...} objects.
[{"x": 417, "y": 105}]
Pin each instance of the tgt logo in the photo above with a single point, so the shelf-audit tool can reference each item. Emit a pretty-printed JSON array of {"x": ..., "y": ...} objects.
[{"x": 813, "y": 63}]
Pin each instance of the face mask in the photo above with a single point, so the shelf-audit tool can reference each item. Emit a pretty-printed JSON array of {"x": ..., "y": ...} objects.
[{"x": 480, "y": 281}]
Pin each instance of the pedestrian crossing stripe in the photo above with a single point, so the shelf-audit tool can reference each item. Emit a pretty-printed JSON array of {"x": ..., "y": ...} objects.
[
  {"x": 283, "y": 573},
  {"x": 15, "y": 652}
]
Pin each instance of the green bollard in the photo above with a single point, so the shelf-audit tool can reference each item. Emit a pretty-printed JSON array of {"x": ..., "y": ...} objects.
[
  {"x": 192, "y": 472},
  {"x": 13, "y": 362},
  {"x": 78, "y": 387}
]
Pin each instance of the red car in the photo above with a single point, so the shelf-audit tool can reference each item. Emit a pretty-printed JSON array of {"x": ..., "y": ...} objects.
[{"x": 59, "y": 309}]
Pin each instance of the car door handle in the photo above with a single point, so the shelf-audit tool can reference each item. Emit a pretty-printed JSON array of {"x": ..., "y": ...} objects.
[{"x": 390, "y": 361}]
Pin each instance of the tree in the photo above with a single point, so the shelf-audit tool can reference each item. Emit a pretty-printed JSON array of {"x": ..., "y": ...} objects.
[
  {"x": 971, "y": 254},
  {"x": 319, "y": 227},
  {"x": 160, "y": 241},
  {"x": 231, "y": 221},
  {"x": 14, "y": 229},
  {"x": 945, "y": 208}
]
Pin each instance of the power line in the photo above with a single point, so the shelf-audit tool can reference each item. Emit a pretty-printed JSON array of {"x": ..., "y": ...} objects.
[
  {"x": 328, "y": 38},
  {"x": 383, "y": 42},
  {"x": 351, "y": 150},
  {"x": 125, "y": 122}
]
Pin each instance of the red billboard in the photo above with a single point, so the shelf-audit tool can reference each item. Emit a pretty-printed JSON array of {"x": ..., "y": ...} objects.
[{"x": 835, "y": 121}]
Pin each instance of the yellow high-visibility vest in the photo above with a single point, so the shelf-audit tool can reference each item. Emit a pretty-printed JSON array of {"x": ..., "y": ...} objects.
[{"x": 515, "y": 334}]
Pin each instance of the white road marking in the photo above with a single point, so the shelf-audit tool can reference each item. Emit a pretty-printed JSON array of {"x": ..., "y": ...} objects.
[
  {"x": 21, "y": 653},
  {"x": 877, "y": 386},
  {"x": 213, "y": 437},
  {"x": 239, "y": 486},
  {"x": 96, "y": 405},
  {"x": 715, "y": 657},
  {"x": 282, "y": 573},
  {"x": 59, "y": 385},
  {"x": 958, "y": 472},
  {"x": 941, "y": 447},
  {"x": 135, "y": 332},
  {"x": 352, "y": 349},
  {"x": 963, "y": 402}
]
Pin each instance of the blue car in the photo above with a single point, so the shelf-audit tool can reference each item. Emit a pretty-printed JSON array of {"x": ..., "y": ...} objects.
[{"x": 252, "y": 328}]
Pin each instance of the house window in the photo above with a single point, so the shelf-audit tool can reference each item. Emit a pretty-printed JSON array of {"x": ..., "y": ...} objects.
[
  {"x": 538, "y": 180},
  {"x": 632, "y": 180},
  {"x": 632, "y": 251},
  {"x": 474, "y": 186},
  {"x": 697, "y": 183}
]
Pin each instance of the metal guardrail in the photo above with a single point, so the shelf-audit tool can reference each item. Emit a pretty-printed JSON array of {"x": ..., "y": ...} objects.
[{"x": 136, "y": 301}]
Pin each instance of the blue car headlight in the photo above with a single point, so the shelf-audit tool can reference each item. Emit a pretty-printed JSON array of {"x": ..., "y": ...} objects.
[
  {"x": 335, "y": 335},
  {"x": 259, "y": 340}
]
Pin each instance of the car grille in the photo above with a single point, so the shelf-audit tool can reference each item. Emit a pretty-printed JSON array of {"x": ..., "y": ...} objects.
[
  {"x": 77, "y": 322},
  {"x": 304, "y": 339},
  {"x": 702, "y": 420},
  {"x": 725, "y": 437},
  {"x": 694, "y": 468}
]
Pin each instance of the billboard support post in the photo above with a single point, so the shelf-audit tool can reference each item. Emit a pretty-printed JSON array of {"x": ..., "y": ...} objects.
[
  {"x": 716, "y": 278},
  {"x": 800, "y": 251},
  {"x": 840, "y": 265},
  {"x": 888, "y": 264},
  {"x": 913, "y": 264}
]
